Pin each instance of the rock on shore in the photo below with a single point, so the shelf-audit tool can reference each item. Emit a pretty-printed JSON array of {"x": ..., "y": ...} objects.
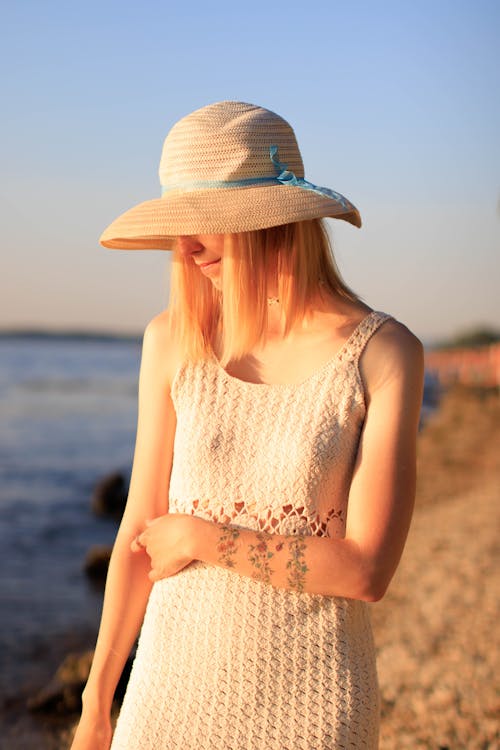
[{"x": 110, "y": 496}]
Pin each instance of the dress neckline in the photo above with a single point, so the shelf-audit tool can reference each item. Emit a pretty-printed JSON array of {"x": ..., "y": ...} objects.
[{"x": 337, "y": 357}]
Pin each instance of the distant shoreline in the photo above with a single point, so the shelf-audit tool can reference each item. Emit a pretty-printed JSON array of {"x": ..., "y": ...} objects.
[
  {"x": 83, "y": 335},
  {"x": 433, "y": 348},
  {"x": 68, "y": 335}
]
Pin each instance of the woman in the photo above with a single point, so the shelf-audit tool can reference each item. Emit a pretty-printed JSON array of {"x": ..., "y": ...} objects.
[{"x": 274, "y": 470}]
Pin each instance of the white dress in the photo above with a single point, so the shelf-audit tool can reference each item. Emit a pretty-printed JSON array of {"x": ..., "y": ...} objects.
[{"x": 225, "y": 662}]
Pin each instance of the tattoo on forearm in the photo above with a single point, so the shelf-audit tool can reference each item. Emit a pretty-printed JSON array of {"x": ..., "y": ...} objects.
[
  {"x": 227, "y": 545},
  {"x": 259, "y": 556},
  {"x": 296, "y": 565}
]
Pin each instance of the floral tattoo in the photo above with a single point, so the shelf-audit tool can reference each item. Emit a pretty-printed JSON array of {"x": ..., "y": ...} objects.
[
  {"x": 227, "y": 545},
  {"x": 259, "y": 556},
  {"x": 296, "y": 565}
]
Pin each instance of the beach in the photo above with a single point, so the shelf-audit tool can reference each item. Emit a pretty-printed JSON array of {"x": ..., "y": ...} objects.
[{"x": 436, "y": 628}]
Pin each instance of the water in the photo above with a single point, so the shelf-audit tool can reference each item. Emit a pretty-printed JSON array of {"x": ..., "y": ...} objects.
[{"x": 67, "y": 417}]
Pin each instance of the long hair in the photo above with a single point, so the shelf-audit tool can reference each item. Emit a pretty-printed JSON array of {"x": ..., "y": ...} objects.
[{"x": 235, "y": 316}]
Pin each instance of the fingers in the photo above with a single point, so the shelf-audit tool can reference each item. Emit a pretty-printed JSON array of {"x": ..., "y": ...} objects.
[{"x": 138, "y": 544}]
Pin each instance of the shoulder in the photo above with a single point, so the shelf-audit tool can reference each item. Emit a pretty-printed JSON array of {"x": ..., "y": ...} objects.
[
  {"x": 157, "y": 330},
  {"x": 392, "y": 354},
  {"x": 395, "y": 340},
  {"x": 159, "y": 349}
]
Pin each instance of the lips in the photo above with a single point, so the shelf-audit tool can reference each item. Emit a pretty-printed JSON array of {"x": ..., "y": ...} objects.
[{"x": 209, "y": 264}]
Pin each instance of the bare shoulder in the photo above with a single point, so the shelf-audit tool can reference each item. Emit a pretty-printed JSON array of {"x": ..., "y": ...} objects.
[
  {"x": 157, "y": 330},
  {"x": 394, "y": 339},
  {"x": 393, "y": 353},
  {"x": 159, "y": 348}
]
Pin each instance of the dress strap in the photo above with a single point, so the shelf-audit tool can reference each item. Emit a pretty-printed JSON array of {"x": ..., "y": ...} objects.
[{"x": 365, "y": 331}]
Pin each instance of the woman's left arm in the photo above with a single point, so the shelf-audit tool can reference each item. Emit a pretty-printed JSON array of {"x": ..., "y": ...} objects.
[{"x": 381, "y": 498}]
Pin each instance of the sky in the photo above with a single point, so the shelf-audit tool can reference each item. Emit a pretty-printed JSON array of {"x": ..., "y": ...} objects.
[{"x": 395, "y": 104}]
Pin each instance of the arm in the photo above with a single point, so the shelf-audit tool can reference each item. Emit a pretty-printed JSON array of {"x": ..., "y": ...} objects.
[
  {"x": 128, "y": 585},
  {"x": 380, "y": 507}
]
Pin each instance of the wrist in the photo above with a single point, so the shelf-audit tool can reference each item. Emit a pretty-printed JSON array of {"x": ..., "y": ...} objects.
[
  {"x": 203, "y": 531},
  {"x": 96, "y": 705}
]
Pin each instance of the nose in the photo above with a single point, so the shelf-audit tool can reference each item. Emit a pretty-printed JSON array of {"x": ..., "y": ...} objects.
[{"x": 188, "y": 245}]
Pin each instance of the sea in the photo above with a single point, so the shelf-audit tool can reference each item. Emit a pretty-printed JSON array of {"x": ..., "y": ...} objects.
[{"x": 68, "y": 410}]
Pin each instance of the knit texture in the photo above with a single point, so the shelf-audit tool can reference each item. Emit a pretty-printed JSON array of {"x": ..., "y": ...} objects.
[
  {"x": 224, "y": 144},
  {"x": 225, "y": 662}
]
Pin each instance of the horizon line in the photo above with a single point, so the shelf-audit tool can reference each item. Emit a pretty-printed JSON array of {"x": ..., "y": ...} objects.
[{"x": 70, "y": 332}]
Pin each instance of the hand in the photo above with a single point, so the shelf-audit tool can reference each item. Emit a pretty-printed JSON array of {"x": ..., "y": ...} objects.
[
  {"x": 170, "y": 542},
  {"x": 92, "y": 733}
]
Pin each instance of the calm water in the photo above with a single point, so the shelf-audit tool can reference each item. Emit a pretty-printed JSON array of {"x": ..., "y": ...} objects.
[{"x": 67, "y": 418}]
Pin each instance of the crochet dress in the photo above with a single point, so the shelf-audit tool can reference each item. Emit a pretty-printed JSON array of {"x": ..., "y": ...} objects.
[{"x": 226, "y": 662}]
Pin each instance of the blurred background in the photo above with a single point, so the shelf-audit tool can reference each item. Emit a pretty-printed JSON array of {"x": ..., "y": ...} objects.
[{"x": 395, "y": 105}]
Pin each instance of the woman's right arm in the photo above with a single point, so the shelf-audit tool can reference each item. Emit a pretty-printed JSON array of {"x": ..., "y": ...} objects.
[{"x": 128, "y": 585}]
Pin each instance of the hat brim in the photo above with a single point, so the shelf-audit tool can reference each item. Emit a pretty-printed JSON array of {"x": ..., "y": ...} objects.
[{"x": 155, "y": 224}]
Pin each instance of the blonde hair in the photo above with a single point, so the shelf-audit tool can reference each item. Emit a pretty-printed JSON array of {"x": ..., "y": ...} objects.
[{"x": 235, "y": 316}]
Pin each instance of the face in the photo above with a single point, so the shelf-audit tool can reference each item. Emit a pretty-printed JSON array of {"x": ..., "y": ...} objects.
[{"x": 206, "y": 251}]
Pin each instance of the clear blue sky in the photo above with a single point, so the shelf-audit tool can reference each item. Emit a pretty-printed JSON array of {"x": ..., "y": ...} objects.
[{"x": 395, "y": 104}]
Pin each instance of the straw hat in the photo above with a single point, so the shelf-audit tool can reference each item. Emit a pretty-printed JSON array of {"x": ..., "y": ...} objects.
[{"x": 229, "y": 167}]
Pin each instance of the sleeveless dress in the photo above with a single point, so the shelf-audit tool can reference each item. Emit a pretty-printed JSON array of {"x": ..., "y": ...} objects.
[{"x": 226, "y": 662}]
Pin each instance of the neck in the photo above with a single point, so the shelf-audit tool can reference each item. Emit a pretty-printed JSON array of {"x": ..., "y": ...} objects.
[{"x": 320, "y": 306}]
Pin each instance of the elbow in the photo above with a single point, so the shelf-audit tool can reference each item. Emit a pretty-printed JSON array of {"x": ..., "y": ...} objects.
[
  {"x": 373, "y": 584},
  {"x": 373, "y": 592},
  {"x": 366, "y": 576}
]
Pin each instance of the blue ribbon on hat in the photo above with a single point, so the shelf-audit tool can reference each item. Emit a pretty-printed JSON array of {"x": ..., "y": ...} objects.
[
  {"x": 283, "y": 177},
  {"x": 286, "y": 177}
]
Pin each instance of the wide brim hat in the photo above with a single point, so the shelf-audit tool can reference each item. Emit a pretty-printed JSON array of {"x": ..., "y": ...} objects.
[{"x": 226, "y": 168}]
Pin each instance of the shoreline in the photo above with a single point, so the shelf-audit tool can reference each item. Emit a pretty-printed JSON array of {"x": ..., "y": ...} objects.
[{"x": 70, "y": 334}]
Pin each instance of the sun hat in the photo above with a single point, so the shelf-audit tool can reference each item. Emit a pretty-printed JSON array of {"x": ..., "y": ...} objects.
[{"x": 227, "y": 167}]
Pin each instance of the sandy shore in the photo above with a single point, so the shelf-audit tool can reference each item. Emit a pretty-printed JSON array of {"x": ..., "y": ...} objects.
[
  {"x": 437, "y": 631},
  {"x": 437, "y": 627}
]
